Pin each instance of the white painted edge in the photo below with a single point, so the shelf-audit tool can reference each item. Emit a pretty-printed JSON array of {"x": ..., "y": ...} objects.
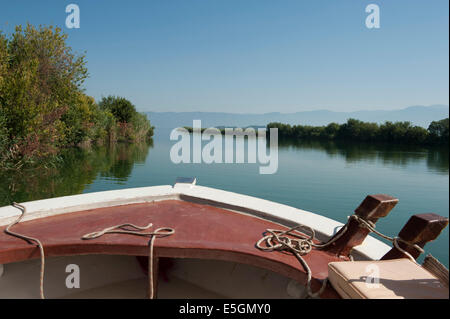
[
  {"x": 371, "y": 248},
  {"x": 69, "y": 204}
]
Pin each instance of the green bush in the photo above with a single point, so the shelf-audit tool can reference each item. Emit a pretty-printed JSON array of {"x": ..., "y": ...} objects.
[
  {"x": 141, "y": 127},
  {"x": 132, "y": 126},
  {"x": 122, "y": 109}
]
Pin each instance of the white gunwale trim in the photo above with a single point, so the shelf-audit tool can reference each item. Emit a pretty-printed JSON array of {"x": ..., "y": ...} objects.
[{"x": 325, "y": 227}]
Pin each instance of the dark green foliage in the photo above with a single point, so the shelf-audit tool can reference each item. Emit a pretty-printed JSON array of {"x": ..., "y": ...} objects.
[
  {"x": 122, "y": 109},
  {"x": 439, "y": 131},
  {"x": 355, "y": 130}
]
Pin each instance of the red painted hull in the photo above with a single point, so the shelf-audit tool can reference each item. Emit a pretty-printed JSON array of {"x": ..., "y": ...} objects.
[{"x": 201, "y": 231}]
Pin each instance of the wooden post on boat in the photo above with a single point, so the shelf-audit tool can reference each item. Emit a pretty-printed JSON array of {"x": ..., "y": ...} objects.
[
  {"x": 420, "y": 229},
  {"x": 371, "y": 209}
]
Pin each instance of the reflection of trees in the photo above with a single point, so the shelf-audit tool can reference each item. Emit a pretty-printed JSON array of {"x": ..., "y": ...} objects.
[
  {"x": 437, "y": 158},
  {"x": 120, "y": 159},
  {"x": 78, "y": 168}
]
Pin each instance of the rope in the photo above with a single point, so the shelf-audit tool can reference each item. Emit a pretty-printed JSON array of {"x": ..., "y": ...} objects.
[
  {"x": 436, "y": 268},
  {"x": 29, "y": 240},
  {"x": 277, "y": 240},
  {"x": 395, "y": 240},
  {"x": 135, "y": 230},
  {"x": 299, "y": 247}
]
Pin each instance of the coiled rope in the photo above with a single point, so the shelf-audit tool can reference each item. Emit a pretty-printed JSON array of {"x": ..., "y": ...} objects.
[
  {"x": 278, "y": 240},
  {"x": 136, "y": 230},
  {"x": 30, "y": 240}
]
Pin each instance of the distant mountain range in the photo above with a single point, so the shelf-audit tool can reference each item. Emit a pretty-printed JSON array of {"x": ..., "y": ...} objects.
[{"x": 418, "y": 115}]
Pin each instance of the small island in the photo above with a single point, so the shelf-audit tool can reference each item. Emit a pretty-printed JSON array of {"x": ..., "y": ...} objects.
[
  {"x": 355, "y": 130},
  {"x": 359, "y": 131}
]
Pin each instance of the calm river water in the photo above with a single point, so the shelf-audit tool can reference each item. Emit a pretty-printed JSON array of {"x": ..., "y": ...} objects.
[{"x": 330, "y": 179}]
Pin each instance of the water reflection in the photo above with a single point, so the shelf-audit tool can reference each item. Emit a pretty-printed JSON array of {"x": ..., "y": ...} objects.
[
  {"x": 78, "y": 168},
  {"x": 81, "y": 167},
  {"x": 436, "y": 159}
]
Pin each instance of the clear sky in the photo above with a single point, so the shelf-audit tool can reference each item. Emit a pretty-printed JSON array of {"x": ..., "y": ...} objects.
[{"x": 255, "y": 56}]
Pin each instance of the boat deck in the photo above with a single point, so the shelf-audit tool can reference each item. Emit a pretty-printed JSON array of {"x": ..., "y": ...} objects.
[{"x": 201, "y": 231}]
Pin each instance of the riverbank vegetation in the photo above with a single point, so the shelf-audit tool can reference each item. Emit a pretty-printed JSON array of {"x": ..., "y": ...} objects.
[
  {"x": 355, "y": 130},
  {"x": 43, "y": 107}
]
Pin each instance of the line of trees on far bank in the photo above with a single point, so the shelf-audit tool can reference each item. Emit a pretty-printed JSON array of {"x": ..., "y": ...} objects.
[
  {"x": 356, "y": 130},
  {"x": 43, "y": 107}
]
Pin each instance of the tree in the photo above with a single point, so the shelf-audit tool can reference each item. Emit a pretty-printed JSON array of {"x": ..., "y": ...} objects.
[
  {"x": 40, "y": 81},
  {"x": 351, "y": 129},
  {"x": 122, "y": 109},
  {"x": 331, "y": 130},
  {"x": 132, "y": 125},
  {"x": 416, "y": 135},
  {"x": 439, "y": 131}
]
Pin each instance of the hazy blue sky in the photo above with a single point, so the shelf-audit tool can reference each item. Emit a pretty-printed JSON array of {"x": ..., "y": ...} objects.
[{"x": 255, "y": 55}]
